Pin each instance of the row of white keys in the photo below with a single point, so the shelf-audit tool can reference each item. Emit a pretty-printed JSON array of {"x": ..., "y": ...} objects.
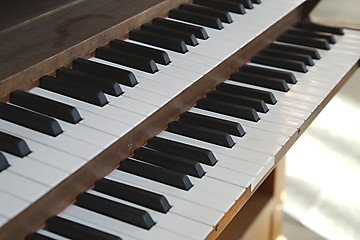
[
  {"x": 52, "y": 235},
  {"x": 14, "y": 205}
]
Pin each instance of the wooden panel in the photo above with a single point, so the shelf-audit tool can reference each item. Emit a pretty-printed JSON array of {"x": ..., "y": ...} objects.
[
  {"x": 254, "y": 220},
  {"x": 14, "y": 12}
]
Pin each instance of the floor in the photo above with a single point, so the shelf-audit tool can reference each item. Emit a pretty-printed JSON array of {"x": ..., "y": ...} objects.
[{"x": 323, "y": 167}]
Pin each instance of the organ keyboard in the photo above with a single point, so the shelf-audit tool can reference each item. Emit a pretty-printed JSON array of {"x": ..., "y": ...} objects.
[{"x": 178, "y": 125}]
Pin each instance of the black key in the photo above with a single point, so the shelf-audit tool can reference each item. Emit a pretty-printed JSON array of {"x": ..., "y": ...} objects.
[
  {"x": 13, "y": 145},
  {"x": 199, "y": 32},
  {"x": 247, "y": 3},
  {"x": 187, "y": 37},
  {"x": 132, "y": 194},
  {"x": 124, "y": 77},
  {"x": 29, "y": 119},
  {"x": 228, "y": 109},
  {"x": 108, "y": 86},
  {"x": 158, "y": 56},
  {"x": 278, "y": 62},
  {"x": 77, "y": 231},
  {"x": 258, "y": 104},
  {"x": 230, "y": 127},
  {"x": 73, "y": 90},
  {"x": 126, "y": 59},
  {"x": 266, "y": 96},
  {"x": 256, "y": 1},
  {"x": 159, "y": 41},
  {"x": 37, "y": 236},
  {"x": 305, "y": 41},
  {"x": 320, "y": 28},
  {"x": 201, "y": 133},
  {"x": 224, "y": 16},
  {"x": 3, "y": 162},
  {"x": 169, "y": 161},
  {"x": 307, "y": 33},
  {"x": 115, "y": 210},
  {"x": 267, "y": 82},
  {"x": 289, "y": 77},
  {"x": 183, "y": 150},
  {"x": 313, "y": 52},
  {"x": 261, "y": 80},
  {"x": 197, "y": 18},
  {"x": 45, "y": 106},
  {"x": 306, "y": 59},
  {"x": 155, "y": 173},
  {"x": 223, "y": 5}
]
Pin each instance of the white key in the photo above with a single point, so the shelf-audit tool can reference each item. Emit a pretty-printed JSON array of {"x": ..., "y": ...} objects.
[
  {"x": 36, "y": 171},
  {"x": 21, "y": 187},
  {"x": 107, "y": 125},
  {"x": 162, "y": 88},
  {"x": 229, "y": 176},
  {"x": 52, "y": 235},
  {"x": 2, "y": 221},
  {"x": 218, "y": 187},
  {"x": 148, "y": 97},
  {"x": 87, "y": 134},
  {"x": 11, "y": 205}
]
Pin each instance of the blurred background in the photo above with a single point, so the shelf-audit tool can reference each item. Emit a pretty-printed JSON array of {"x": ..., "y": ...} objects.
[{"x": 323, "y": 167}]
